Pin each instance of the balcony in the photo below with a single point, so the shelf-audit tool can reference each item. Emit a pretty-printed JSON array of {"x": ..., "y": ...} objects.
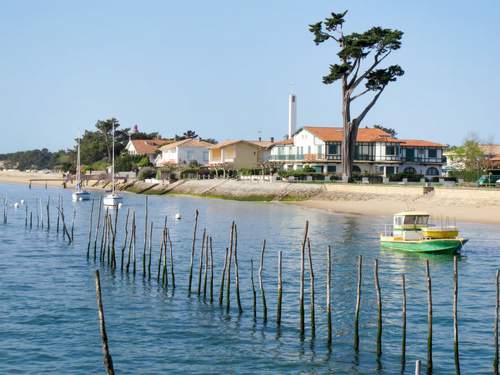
[
  {"x": 286, "y": 157},
  {"x": 417, "y": 159}
]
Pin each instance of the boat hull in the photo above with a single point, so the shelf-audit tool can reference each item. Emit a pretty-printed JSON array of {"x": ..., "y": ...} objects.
[
  {"x": 112, "y": 200},
  {"x": 432, "y": 246},
  {"x": 80, "y": 196}
]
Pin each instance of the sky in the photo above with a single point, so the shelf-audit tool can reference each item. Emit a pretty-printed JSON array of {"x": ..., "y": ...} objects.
[{"x": 224, "y": 68}]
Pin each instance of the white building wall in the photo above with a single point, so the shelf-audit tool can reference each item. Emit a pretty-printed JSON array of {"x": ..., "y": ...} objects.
[{"x": 185, "y": 155}]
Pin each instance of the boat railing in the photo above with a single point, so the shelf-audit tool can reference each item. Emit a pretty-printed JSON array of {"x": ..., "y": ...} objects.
[{"x": 388, "y": 230}]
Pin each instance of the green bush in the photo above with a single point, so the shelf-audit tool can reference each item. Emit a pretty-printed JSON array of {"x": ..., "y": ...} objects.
[
  {"x": 146, "y": 172},
  {"x": 467, "y": 175}
]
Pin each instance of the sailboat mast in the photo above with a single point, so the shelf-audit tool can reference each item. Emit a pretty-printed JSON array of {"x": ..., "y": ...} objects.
[
  {"x": 78, "y": 176},
  {"x": 113, "y": 164}
]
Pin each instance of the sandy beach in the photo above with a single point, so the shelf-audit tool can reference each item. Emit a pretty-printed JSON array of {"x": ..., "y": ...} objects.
[{"x": 479, "y": 205}]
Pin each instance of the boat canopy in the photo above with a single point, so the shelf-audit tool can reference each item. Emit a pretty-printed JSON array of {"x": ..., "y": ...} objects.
[{"x": 411, "y": 219}]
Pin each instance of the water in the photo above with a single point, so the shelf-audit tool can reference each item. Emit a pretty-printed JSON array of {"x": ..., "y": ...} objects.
[{"x": 48, "y": 317}]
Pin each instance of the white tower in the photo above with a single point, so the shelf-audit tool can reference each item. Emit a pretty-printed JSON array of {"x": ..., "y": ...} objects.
[{"x": 292, "y": 115}]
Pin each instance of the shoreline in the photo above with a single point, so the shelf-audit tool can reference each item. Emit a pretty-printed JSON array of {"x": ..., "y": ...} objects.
[{"x": 463, "y": 204}]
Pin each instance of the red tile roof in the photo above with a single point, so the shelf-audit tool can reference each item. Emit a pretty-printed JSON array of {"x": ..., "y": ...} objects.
[
  {"x": 262, "y": 144},
  {"x": 331, "y": 134},
  {"x": 148, "y": 146},
  {"x": 419, "y": 143}
]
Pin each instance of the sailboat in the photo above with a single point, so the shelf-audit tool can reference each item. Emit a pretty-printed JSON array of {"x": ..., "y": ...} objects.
[
  {"x": 79, "y": 194},
  {"x": 113, "y": 199}
]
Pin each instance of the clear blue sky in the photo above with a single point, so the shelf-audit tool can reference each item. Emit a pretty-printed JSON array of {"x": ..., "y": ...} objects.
[{"x": 225, "y": 68}]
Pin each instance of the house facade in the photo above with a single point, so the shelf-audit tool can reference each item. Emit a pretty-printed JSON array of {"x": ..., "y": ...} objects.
[
  {"x": 149, "y": 147},
  {"x": 239, "y": 154},
  {"x": 376, "y": 152},
  {"x": 184, "y": 152}
]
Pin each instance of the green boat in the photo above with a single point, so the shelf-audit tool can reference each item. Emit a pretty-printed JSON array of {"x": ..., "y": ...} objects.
[{"x": 412, "y": 233}]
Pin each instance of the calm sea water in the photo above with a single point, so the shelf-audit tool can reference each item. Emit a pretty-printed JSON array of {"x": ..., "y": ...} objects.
[{"x": 48, "y": 317}]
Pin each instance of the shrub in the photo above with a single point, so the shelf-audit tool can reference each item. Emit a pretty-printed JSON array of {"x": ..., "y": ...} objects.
[{"x": 146, "y": 172}]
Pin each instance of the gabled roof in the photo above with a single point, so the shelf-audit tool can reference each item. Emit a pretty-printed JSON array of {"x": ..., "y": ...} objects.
[
  {"x": 419, "y": 143},
  {"x": 336, "y": 134},
  {"x": 190, "y": 142},
  {"x": 148, "y": 146},
  {"x": 261, "y": 144}
]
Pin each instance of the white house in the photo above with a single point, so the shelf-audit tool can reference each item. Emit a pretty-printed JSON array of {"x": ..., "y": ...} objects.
[
  {"x": 147, "y": 147},
  {"x": 377, "y": 152},
  {"x": 184, "y": 152}
]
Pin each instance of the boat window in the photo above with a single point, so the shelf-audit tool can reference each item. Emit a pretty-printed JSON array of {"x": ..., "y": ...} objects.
[
  {"x": 398, "y": 220},
  {"x": 410, "y": 220}
]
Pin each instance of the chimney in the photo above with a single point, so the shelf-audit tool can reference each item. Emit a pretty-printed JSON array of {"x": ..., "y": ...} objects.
[
  {"x": 260, "y": 139},
  {"x": 272, "y": 139},
  {"x": 292, "y": 115}
]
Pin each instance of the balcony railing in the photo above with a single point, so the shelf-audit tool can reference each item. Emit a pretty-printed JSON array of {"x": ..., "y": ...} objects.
[{"x": 418, "y": 159}]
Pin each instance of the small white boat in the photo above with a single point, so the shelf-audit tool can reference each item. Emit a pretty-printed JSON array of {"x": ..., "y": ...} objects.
[
  {"x": 79, "y": 194},
  {"x": 113, "y": 199}
]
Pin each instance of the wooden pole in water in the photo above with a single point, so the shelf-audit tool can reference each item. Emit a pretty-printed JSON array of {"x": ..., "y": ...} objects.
[
  {"x": 205, "y": 273},
  {"x": 455, "y": 316},
  {"x": 172, "y": 273},
  {"x": 221, "y": 289},
  {"x": 497, "y": 311},
  {"x": 192, "y": 252},
  {"x": 113, "y": 244},
  {"x": 379, "y": 309},
  {"x": 48, "y": 214},
  {"x": 31, "y": 219},
  {"x": 358, "y": 304},
  {"x": 261, "y": 283},
  {"x": 280, "y": 288},
  {"x": 228, "y": 282},
  {"x": 165, "y": 269},
  {"x": 160, "y": 259},
  {"x": 150, "y": 249},
  {"x": 90, "y": 228},
  {"x": 58, "y": 215},
  {"x": 104, "y": 233},
  {"x": 211, "y": 272},
  {"x": 134, "y": 243},
  {"x": 236, "y": 269},
  {"x": 72, "y": 225},
  {"x": 145, "y": 238},
  {"x": 26, "y": 215},
  {"x": 200, "y": 263},
  {"x": 126, "y": 238},
  {"x": 108, "y": 361},
  {"x": 253, "y": 292},
  {"x": 96, "y": 229},
  {"x": 301, "y": 291},
  {"x": 312, "y": 297},
  {"x": 403, "y": 339},
  {"x": 429, "y": 318},
  {"x": 328, "y": 294}
]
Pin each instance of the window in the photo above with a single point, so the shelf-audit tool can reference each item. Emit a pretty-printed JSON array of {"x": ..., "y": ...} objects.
[
  {"x": 331, "y": 168},
  {"x": 190, "y": 155},
  {"x": 320, "y": 150},
  {"x": 333, "y": 149},
  {"x": 205, "y": 155},
  {"x": 432, "y": 171},
  {"x": 390, "y": 150},
  {"x": 410, "y": 170},
  {"x": 432, "y": 153}
]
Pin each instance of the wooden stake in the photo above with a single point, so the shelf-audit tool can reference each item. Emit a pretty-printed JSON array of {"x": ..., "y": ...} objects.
[
  {"x": 145, "y": 238},
  {"x": 205, "y": 274},
  {"x": 497, "y": 311},
  {"x": 455, "y": 316},
  {"x": 429, "y": 318},
  {"x": 113, "y": 247},
  {"x": 211, "y": 273},
  {"x": 172, "y": 273},
  {"x": 58, "y": 210},
  {"x": 261, "y": 283},
  {"x": 253, "y": 292},
  {"x": 126, "y": 239},
  {"x": 221, "y": 290},
  {"x": 301, "y": 291},
  {"x": 280, "y": 288},
  {"x": 48, "y": 214},
  {"x": 228, "y": 286},
  {"x": 379, "y": 309},
  {"x": 96, "y": 229},
  {"x": 200, "y": 264},
  {"x": 328, "y": 294},
  {"x": 165, "y": 260},
  {"x": 417, "y": 367},
  {"x": 108, "y": 361},
  {"x": 312, "y": 297},
  {"x": 160, "y": 259},
  {"x": 236, "y": 269},
  {"x": 150, "y": 249},
  {"x": 90, "y": 229},
  {"x": 358, "y": 304},
  {"x": 403, "y": 340},
  {"x": 192, "y": 252},
  {"x": 73, "y": 225}
]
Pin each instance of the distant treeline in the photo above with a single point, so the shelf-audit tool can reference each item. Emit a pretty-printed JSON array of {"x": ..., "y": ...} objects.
[{"x": 95, "y": 151}]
